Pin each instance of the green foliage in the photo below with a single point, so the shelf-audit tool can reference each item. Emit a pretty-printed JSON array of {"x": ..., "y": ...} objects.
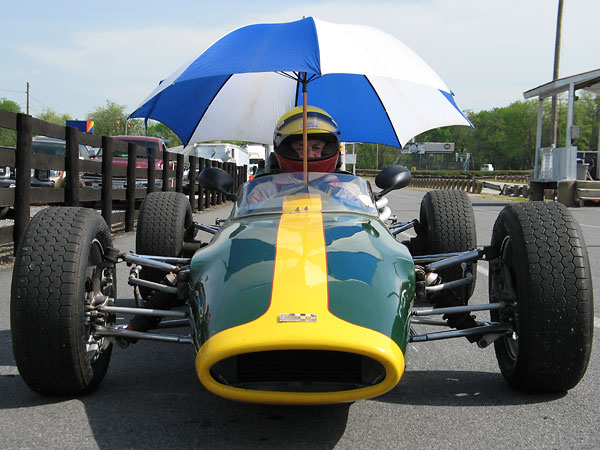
[
  {"x": 162, "y": 131},
  {"x": 8, "y": 137},
  {"x": 109, "y": 120},
  {"x": 374, "y": 156},
  {"x": 505, "y": 137},
  {"x": 51, "y": 116}
]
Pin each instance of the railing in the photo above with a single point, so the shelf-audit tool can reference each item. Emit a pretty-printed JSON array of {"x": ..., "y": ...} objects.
[{"x": 23, "y": 195}]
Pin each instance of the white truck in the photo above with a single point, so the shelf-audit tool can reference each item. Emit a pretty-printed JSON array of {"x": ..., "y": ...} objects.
[
  {"x": 217, "y": 152},
  {"x": 256, "y": 154},
  {"x": 222, "y": 152}
]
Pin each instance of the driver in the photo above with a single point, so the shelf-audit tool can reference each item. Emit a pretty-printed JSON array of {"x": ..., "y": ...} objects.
[
  {"x": 322, "y": 150},
  {"x": 323, "y": 142}
]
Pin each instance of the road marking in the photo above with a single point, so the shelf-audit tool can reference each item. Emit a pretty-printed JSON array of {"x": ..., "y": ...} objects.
[
  {"x": 482, "y": 270},
  {"x": 597, "y": 322},
  {"x": 8, "y": 371},
  {"x": 591, "y": 226}
]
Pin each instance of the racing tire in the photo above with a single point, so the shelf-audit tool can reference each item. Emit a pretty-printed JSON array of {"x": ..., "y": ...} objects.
[
  {"x": 543, "y": 274},
  {"x": 447, "y": 225},
  {"x": 164, "y": 221},
  {"x": 59, "y": 267}
]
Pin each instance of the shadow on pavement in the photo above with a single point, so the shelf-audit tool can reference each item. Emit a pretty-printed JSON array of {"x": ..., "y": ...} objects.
[
  {"x": 459, "y": 388},
  {"x": 151, "y": 398}
]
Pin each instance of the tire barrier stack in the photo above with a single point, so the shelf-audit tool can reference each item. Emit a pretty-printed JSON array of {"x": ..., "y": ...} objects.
[
  {"x": 471, "y": 186},
  {"x": 468, "y": 185}
]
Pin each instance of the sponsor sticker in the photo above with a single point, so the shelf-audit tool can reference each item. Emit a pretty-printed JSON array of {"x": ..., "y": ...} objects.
[{"x": 297, "y": 317}]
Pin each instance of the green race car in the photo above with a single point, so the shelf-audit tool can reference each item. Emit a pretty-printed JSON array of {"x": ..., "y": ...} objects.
[{"x": 304, "y": 295}]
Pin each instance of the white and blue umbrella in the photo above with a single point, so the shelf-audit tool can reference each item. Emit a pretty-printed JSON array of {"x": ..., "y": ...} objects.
[{"x": 375, "y": 88}]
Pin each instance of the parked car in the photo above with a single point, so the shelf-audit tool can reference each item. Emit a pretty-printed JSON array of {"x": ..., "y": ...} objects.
[
  {"x": 43, "y": 145},
  {"x": 487, "y": 168},
  {"x": 8, "y": 177},
  {"x": 120, "y": 159}
]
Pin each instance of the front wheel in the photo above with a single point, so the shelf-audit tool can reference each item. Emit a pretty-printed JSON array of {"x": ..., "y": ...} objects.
[
  {"x": 447, "y": 225},
  {"x": 543, "y": 275},
  {"x": 164, "y": 223},
  {"x": 59, "y": 271}
]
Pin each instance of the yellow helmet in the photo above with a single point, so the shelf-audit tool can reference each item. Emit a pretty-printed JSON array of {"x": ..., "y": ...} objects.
[{"x": 320, "y": 125}]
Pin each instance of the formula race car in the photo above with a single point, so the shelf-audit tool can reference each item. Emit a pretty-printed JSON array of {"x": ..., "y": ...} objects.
[{"x": 304, "y": 295}]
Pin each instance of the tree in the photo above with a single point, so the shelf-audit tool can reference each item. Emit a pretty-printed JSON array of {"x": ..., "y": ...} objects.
[
  {"x": 8, "y": 137},
  {"x": 109, "y": 120},
  {"x": 164, "y": 132},
  {"x": 51, "y": 116}
]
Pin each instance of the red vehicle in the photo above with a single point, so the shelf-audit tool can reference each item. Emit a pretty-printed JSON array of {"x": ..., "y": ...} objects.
[{"x": 120, "y": 159}]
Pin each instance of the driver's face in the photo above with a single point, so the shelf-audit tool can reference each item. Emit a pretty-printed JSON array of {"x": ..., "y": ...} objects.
[{"x": 314, "y": 147}]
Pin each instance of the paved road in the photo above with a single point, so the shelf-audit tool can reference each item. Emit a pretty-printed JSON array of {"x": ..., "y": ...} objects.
[{"x": 452, "y": 395}]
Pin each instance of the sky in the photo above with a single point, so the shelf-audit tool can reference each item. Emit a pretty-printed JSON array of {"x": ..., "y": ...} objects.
[{"x": 78, "y": 55}]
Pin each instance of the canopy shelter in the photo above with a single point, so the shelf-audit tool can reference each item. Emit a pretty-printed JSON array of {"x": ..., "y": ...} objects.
[{"x": 563, "y": 159}]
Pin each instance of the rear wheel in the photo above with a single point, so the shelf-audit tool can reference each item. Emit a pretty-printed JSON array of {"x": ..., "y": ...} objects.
[
  {"x": 543, "y": 274},
  {"x": 59, "y": 271}
]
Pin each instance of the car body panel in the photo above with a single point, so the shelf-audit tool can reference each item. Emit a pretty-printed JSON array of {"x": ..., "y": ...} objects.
[{"x": 315, "y": 276}]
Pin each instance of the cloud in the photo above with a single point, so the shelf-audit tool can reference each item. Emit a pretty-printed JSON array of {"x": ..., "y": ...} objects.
[{"x": 488, "y": 53}]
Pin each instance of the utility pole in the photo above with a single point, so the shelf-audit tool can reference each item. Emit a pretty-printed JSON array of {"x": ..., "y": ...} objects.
[
  {"x": 554, "y": 113},
  {"x": 28, "y": 98}
]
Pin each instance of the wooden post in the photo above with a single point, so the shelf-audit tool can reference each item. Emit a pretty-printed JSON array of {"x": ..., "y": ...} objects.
[
  {"x": 219, "y": 195},
  {"x": 107, "y": 156},
  {"x": 201, "y": 190},
  {"x": 207, "y": 194},
  {"x": 151, "y": 169},
  {"x": 179, "y": 173},
  {"x": 192, "y": 184},
  {"x": 23, "y": 182},
  {"x": 72, "y": 167},
  {"x": 165, "y": 170},
  {"x": 213, "y": 194},
  {"x": 130, "y": 194}
]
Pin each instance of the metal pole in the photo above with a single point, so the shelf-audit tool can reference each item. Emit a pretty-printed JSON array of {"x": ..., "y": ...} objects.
[
  {"x": 538, "y": 139},
  {"x": 569, "y": 140},
  {"x": 554, "y": 114},
  {"x": 28, "y": 98},
  {"x": 304, "y": 127}
]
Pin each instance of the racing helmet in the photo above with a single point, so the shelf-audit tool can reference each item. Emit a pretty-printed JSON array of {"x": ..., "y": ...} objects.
[{"x": 320, "y": 125}]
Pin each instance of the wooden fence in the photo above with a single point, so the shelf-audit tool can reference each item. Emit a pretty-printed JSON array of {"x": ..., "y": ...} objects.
[{"x": 23, "y": 195}]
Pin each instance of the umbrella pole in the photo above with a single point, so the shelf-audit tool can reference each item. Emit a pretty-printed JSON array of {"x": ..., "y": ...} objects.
[{"x": 304, "y": 127}]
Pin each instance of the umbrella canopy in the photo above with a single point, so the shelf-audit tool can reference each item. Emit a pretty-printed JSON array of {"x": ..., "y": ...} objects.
[{"x": 376, "y": 88}]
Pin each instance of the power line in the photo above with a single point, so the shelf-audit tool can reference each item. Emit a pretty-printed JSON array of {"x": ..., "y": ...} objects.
[
  {"x": 11, "y": 90},
  {"x": 42, "y": 103}
]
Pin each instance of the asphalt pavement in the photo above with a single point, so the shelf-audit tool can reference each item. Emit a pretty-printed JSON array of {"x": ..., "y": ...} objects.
[{"x": 451, "y": 396}]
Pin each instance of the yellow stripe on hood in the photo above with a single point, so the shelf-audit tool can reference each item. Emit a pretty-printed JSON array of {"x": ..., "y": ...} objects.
[{"x": 300, "y": 286}]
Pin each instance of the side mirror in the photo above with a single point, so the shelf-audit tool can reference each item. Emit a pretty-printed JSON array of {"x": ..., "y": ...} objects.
[
  {"x": 218, "y": 180},
  {"x": 392, "y": 178}
]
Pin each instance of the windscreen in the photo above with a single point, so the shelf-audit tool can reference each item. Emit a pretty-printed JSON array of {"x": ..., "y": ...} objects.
[
  {"x": 143, "y": 144},
  {"x": 48, "y": 148},
  {"x": 339, "y": 192}
]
